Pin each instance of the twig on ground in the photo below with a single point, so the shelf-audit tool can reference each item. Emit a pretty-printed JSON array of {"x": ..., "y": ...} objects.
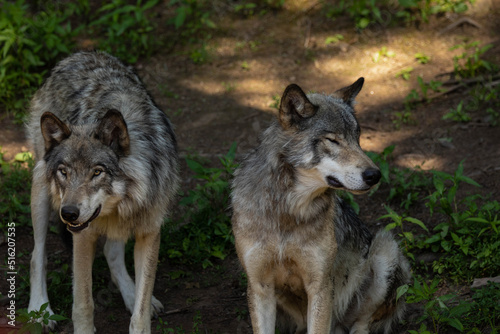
[
  {"x": 179, "y": 310},
  {"x": 458, "y": 23}
]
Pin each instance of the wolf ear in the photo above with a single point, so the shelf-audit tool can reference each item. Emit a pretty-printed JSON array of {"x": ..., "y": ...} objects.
[
  {"x": 295, "y": 106},
  {"x": 112, "y": 131},
  {"x": 54, "y": 131},
  {"x": 349, "y": 93}
]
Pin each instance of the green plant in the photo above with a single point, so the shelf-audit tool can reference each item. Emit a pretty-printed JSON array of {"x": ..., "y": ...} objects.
[
  {"x": 405, "y": 73},
  {"x": 469, "y": 63},
  {"x": 60, "y": 287},
  {"x": 163, "y": 329},
  {"x": 458, "y": 114},
  {"x": 383, "y": 52},
  {"x": 365, "y": 13},
  {"x": 403, "y": 117},
  {"x": 127, "y": 29},
  {"x": 206, "y": 233},
  {"x": 486, "y": 97},
  {"x": 192, "y": 20},
  {"x": 196, "y": 328},
  {"x": 245, "y": 65},
  {"x": 485, "y": 309},
  {"x": 397, "y": 222},
  {"x": 201, "y": 54},
  {"x": 441, "y": 310},
  {"x": 469, "y": 234},
  {"x": 433, "y": 85},
  {"x": 405, "y": 185},
  {"x": 276, "y": 102},
  {"x": 411, "y": 100},
  {"x": 414, "y": 98},
  {"x": 261, "y": 7},
  {"x": 15, "y": 181},
  {"x": 421, "y": 10},
  {"x": 33, "y": 321},
  {"x": 246, "y": 9},
  {"x": 422, "y": 58},
  {"x": 29, "y": 45},
  {"x": 334, "y": 39},
  {"x": 480, "y": 314},
  {"x": 421, "y": 330}
]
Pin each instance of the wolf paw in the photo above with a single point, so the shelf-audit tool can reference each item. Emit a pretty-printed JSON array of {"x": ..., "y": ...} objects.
[{"x": 156, "y": 307}]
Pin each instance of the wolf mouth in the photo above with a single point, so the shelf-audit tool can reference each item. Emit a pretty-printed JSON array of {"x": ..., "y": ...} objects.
[
  {"x": 79, "y": 227},
  {"x": 334, "y": 182}
]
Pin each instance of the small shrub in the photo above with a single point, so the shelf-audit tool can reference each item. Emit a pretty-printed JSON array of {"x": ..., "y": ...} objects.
[
  {"x": 33, "y": 321},
  {"x": 126, "y": 29},
  {"x": 206, "y": 229},
  {"x": 469, "y": 63},
  {"x": 29, "y": 46},
  {"x": 459, "y": 114},
  {"x": 15, "y": 182},
  {"x": 405, "y": 73},
  {"x": 405, "y": 185}
]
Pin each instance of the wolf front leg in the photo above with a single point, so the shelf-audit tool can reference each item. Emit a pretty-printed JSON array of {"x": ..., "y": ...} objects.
[
  {"x": 84, "y": 243},
  {"x": 262, "y": 305},
  {"x": 40, "y": 212},
  {"x": 114, "y": 250},
  {"x": 320, "y": 307},
  {"x": 145, "y": 261}
]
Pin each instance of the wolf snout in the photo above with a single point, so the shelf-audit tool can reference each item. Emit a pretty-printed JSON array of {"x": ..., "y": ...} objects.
[
  {"x": 371, "y": 176},
  {"x": 70, "y": 213}
]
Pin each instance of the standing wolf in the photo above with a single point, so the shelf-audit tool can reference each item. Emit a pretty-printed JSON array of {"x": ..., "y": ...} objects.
[
  {"x": 106, "y": 162},
  {"x": 310, "y": 261}
]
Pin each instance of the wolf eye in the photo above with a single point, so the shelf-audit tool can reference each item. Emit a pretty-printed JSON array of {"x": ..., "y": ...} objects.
[
  {"x": 62, "y": 170},
  {"x": 97, "y": 172},
  {"x": 331, "y": 140}
]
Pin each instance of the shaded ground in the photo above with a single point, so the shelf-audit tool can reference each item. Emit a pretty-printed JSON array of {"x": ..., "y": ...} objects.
[{"x": 229, "y": 99}]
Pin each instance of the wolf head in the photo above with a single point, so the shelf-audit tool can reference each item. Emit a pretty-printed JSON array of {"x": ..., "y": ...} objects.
[
  {"x": 82, "y": 166},
  {"x": 324, "y": 139}
]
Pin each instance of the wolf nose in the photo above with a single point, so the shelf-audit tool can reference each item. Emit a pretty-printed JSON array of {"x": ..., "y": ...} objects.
[
  {"x": 371, "y": 176},
  {"x": 70, "y": 213}
]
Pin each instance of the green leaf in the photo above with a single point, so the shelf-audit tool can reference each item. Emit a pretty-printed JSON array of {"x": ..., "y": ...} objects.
[
  {"x": 363, "y": 23},
  {"x": 438, "y": 184},
  {"x": 408, "y": 3},
  {"x": 180, "y": 17},
  {"x": 390, "y": 226},
  {"x": 44, "y": 307},
  {"x": 23, "y": 156},
  {"x": 149, "y": 4},
  {"x": 408, "y": 236},
  {"x": 455, "y": 323},
  {"x": 195, "y": 166},
  {"x": 433, "y": 239},
  {"x": 455, "y": 238},
  {"x": 470, "y": 181},
  {"x": 417, "y": 222},
  {"x": 401, "y": 291},
  {"x": 57, "y": 317}
]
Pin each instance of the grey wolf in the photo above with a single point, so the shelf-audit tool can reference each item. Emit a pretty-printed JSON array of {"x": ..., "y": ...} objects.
[
  {"x": 106, "y": 163},
  {"x": 311, "y": 263}
]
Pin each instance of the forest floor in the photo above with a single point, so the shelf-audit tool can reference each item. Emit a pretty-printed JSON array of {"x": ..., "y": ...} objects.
[{"x": 228, "y": 98}]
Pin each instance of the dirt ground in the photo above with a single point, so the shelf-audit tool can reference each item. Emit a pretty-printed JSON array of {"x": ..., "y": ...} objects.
[{"x": 228, "y": 99}]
